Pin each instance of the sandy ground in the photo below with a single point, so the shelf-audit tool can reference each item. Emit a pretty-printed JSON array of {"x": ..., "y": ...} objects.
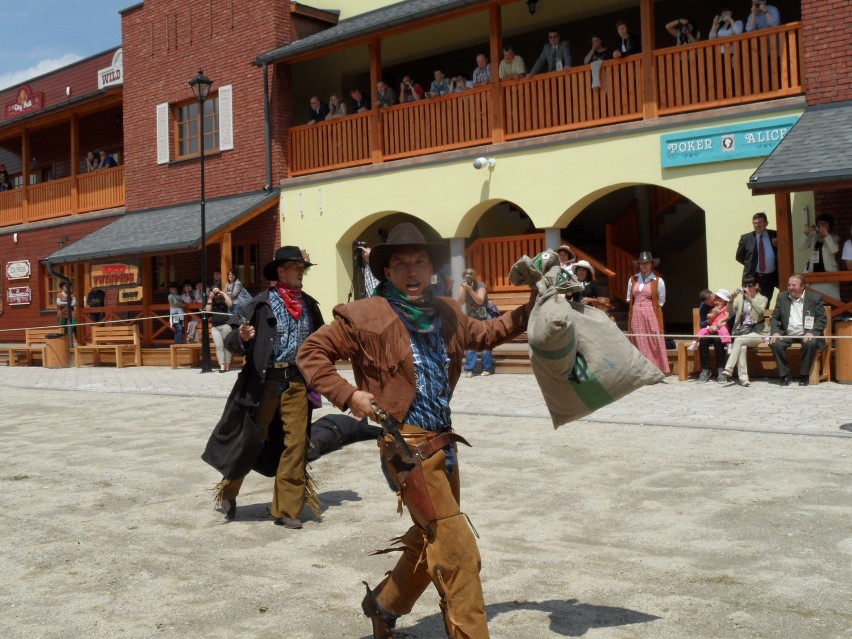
[{"x": 673, "y": 513}]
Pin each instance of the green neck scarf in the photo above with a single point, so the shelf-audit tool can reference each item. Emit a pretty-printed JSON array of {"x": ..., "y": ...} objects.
[{"x": 419, "y": 314}]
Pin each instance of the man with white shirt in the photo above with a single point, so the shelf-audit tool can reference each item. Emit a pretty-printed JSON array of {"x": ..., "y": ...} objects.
[
  {"x": 758, "y": 255},
  {"x": 799, "y": 315}
]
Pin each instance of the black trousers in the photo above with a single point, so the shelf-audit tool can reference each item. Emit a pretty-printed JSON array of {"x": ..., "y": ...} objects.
[
  {"x": 704, "y": 352},
  {"x": 768, "y": 282}
]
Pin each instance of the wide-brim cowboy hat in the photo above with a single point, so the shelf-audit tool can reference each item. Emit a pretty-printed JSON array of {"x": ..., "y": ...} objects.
[
  {"x": 584, "y": 264},
  {"x": 282, "y": 255},
  {"x": 645, "y": 256},
  {"x": 405, "y": 237},
  {"x": 568, "y": 250}
]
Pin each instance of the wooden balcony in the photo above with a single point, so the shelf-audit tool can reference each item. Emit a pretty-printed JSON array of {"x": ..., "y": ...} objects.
[
  {"x": 751, "y": 67},
  {"x": 102, "y": 189}
]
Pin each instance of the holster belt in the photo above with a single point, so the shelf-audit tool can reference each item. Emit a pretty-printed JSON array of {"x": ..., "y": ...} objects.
[
  {"x": 282, "y": 370},
  {"x": 436, "y": 443}
]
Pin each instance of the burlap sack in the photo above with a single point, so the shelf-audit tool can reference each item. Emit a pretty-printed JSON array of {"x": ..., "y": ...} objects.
[{"x": 580, "y": 358}]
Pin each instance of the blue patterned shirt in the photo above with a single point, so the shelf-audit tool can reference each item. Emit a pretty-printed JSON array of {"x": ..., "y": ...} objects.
[{"x": 289, "y": 332}]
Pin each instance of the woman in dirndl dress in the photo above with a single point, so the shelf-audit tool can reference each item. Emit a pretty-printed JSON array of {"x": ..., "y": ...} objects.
[{"x": 646, "y": 294}]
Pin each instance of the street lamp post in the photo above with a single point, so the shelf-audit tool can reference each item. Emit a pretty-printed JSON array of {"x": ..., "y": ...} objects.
[{"x": 201, "y": 88}]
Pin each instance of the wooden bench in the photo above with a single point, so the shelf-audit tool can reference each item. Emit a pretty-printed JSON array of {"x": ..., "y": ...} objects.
[
  {"x": 120, "y": 341},
  {"x": 761, "y": 361},
  {"x": 35, "y": 340}
]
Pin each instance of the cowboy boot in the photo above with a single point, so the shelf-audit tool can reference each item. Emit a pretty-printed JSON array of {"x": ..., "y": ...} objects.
[{"x": 382, "y": 624}]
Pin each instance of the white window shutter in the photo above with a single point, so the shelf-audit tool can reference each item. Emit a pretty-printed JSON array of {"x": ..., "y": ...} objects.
[
  {"x": 163, "y": 133},
  {"x": 226, "y": 118}
]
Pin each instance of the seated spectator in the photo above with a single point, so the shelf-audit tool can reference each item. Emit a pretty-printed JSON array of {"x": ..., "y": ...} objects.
[
  {"x": 92, "y": 161},
  {"x": 628, "y": 44},
  {"x": 385, "y": 96},
  {"x": 458, "y": 83},
  {"x": 585, "y": 274},
  {"x": 360, "y": 102},
  {"x": 684, "y": 31},
  {"x": 598, "y": 51},
  {"x": 555, "y": 55},
  {"x": 846, "y": 256},
  {"x": 747, "y": 308},
  {"x": 799, "y": 316},
  {"x": 762, "y": 16},
  {"x": 717, "y": 318},
  {"x": 106, "y": 160},
  {"x": 822, "y": 246},
  {"x": 409, "y": 91},
  {"x": 336, "y": 108},
  {"x": 724, "y": 25},
  {"x": 511, "y": 66},
  {"x": 317, "y": 111},
  {"x": 440, "y": 86},
  {"x": 482, "y": 72},
  {"x": 219, "y": 305}
]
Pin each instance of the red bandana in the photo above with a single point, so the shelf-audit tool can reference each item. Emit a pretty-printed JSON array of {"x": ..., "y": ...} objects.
[{"x": 292, "y": 299}]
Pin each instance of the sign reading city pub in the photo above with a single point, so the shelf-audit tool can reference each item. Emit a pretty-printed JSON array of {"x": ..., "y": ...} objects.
[
  {"x": 105, "y": 275},
  {"x": 26, "y": 100},
  {"x": 720, "y": 144}
]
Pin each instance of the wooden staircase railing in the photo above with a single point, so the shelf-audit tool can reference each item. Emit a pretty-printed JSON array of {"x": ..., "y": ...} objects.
[
  {"x": 621, "y": 262},
  {"x": 492, "y": 258}
]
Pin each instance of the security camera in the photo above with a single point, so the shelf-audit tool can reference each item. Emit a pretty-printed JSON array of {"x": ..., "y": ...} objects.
[{"x": 479, "y": 163}]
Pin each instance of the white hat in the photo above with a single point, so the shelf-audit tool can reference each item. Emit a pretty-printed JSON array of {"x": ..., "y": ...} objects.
[
  {"x": 585, "y": 265},
  {"x": 724, "y": 293}
]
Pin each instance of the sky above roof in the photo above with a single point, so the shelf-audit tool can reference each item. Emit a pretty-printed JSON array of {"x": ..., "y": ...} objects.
[{"x": 38, "y": 36}]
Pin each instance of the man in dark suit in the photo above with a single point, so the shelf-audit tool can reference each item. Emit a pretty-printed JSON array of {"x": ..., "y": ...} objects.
[
  {"x": 317, "y": 111},
  {"x": 555, "y": 55},
  {"x": 800, "y": 315},
  {"x": 756, "y": 252}
]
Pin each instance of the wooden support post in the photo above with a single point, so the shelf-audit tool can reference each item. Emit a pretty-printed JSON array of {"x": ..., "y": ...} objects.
[
  {"x": 784, "y": 250},
  {"x": 495, "y": 24},
  {"x": 147, "y": 297},
  {"x": 25, "y": 173},
  {"x": 227, "y": 251},
  {"x": 375, "y": 76},
  {"x": 649, "y": 74}
]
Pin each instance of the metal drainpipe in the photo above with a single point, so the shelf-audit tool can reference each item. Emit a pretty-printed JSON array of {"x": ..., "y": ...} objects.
[
  {"x": 70, "y": 312},
  {"x": 267, "y": 128}
]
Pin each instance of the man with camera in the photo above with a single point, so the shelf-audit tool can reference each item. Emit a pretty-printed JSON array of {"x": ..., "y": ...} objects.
[
  {"x": 762, "y": 16},
  {"x": 724, "y": 25},
  {"x": 683, "y": 31},
  {"x": 409, "y": 91}
]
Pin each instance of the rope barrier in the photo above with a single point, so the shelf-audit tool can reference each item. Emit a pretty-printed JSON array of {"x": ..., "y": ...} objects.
[{"x": 62, "y": 327}]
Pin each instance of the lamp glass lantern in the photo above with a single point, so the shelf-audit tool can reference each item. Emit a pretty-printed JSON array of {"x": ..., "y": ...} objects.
[{"x": 531, "y": 6}]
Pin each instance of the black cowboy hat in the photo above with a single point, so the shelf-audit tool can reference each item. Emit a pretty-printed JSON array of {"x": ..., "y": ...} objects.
[
  {"x": 645, "y": 256},
  {"x": 402, "y": 237},
  {"x": 285, "y": 254}
]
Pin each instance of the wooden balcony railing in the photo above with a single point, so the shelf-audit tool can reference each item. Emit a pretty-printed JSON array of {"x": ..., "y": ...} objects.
[
  {"x": 563, "y": 101},
  {"x": 102, "y": 189},
  {"x": 442, "y": 124},
  {"x": 751, "y": 67},
  {"x": 334, "y": 144}
]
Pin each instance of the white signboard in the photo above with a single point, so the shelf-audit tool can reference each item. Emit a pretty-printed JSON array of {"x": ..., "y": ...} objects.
[
  {"x": 113, "y": 74},
  {"x": 18, "y": 270}
]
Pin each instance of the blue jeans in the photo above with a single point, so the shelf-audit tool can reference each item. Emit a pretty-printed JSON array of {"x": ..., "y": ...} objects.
[
  {"x": 178, "y": 328},
  {"x": 487, "y": 361}
]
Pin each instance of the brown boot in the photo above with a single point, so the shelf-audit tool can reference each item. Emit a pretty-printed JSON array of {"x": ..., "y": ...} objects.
[{"x": 382, "y": 626}]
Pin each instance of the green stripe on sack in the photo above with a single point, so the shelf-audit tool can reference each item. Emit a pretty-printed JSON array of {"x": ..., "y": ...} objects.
[
  {"x": 565, "y": 351},
  {"x": 588, "y": 387}
]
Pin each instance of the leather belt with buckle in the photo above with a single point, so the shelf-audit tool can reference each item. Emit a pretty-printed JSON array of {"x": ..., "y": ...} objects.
[{"x": 282, "y": 370}]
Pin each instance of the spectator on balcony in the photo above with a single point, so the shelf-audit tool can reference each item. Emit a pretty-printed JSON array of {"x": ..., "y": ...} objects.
[
  {"x": 317, "y": 111},
  {"x": 762, "y": 16},
  {"x": 440, "y": 86},
  {"x": 724, "y": 25},
  {"x": 458, "y": 83},
  {"x": 846, "y": 256},
  {"x": 599, "y": 51},
  {"x": 106, "y": 160},
  {"x": 5, "y": 183},
  {"x": 628, "y": 44},
  {"x": 336, "y": 108},
  {"x": 409, "y": 91},
  {"x": 511, "y": 66},
  {"x": 822, "y": 246},
  {"x": 360, "y": 102},
  {"x": 482, "y": 72},
  {"x": 385, "y": 96},
  {"x": 684, "y": 31},
  {"x": 555, "y": 55},
  {"x": 92, "y": 161}
]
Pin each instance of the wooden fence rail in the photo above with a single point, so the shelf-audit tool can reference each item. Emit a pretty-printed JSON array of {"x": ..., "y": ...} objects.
[{"x": 333, "y": 144}]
